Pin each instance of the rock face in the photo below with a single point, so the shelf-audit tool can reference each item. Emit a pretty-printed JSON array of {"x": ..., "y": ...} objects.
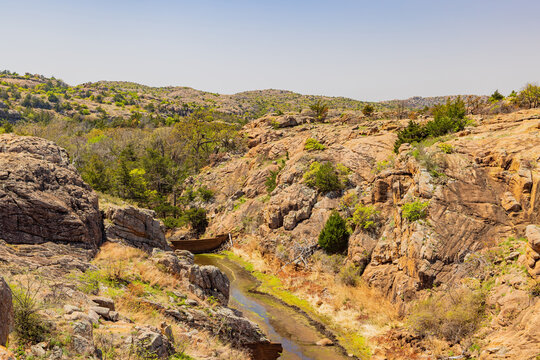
[
  {"x": 153, "y": 342},
  {"x": 208, "y": 281},
  {"x": 6, "y": 311},
  {"x": 532, "y": 233},
  {"x": 136, "y": 227},
  {"x": 42, "y": 197}
]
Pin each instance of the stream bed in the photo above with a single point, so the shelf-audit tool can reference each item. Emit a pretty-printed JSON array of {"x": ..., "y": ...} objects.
[{"x": 279, "y": 322}]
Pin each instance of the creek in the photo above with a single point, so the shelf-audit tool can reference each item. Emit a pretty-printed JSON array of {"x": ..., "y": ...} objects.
[{"x": 279, "y": 322}]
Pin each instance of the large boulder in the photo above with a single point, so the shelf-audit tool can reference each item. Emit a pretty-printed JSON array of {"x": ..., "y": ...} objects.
[
  {"x": 6, "y": 312},
  {"x": 208, "y": 280},
  {"x": 135, "y": 227},
  {"x": 42, "y": 197}
]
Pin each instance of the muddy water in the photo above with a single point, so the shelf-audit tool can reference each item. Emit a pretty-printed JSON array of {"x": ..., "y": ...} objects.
[{"x": 280, "y": 323}]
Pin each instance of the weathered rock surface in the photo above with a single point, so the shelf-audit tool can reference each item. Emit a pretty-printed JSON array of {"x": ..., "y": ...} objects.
[
  {"x": 6, "y": 311},
  {"x": 208, "y": 281},
  {"x": 42, "y": 197},
  {"x": 532, "y": 233},
  {"x": 136, "y": 227},
  {"x": 153, "y": 342}
]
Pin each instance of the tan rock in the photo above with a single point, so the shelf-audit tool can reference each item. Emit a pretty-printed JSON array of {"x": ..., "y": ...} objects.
[
  {"x": 42, "y": 197},
  {"x": 6, "y": 311}
]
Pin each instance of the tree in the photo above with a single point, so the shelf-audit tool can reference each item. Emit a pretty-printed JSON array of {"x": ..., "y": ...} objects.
[
  {"x": 368, "y": 110},
  {"x": 334, "y": 237},
  {"x": 320, "y": 109},
  {"x": 496, "y": 96},
  {"x": 530, "y": 96},
  {"x": 324, "y": 177},
  {"x": 198, "y": 220}
]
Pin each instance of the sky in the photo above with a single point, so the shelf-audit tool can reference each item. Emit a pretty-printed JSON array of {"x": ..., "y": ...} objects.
[{"x": 366, "y": 50}]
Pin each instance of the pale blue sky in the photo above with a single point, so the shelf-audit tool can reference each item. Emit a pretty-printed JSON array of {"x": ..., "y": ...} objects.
[{"x": 367, "y": 50}]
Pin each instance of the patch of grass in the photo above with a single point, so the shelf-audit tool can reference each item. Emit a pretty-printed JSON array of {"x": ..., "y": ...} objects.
[
  {"x": 356, "y": 344},
  {"x": 239, "y": 202},
  {"x": 446, "y": 148}
]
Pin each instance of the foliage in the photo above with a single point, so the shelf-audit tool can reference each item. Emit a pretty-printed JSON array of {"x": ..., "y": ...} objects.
[
  {"x": 323, "y": 177},
  {"x": 334, "y": 237},
  {"x": 320, "y": 108},
  {"x": 368, "y": 110},
  {"x": 197, "y": 219},
  {"x": 384, "y": 164},
  {"x": 529, "y": 96},
  {"x": 452, "y": 315},
  {"x": 365, "y": 216},
  {"x": 205, "y": 193},
  {"x": 415, "y": 210},
  {"x": 496, "y": 96},
  {"x": 29, "y": 326},
  {"x": 350, "y": 274},
  {"x": 447, "y": 118},
  {"x": 312, "y": 145},
  {"x": 446, "y": 148},
  {"x": 271, "y": 181}
]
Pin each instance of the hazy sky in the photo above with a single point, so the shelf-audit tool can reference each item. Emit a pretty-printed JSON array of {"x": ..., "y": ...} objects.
[{"x": 367, "y": 50}]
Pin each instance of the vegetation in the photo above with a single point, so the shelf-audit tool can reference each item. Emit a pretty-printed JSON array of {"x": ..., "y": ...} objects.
[
  {"x": 496, "y": 96},
  {"x": 452, "y": 315},
  {"x": 415, "y": 210},
  {"x": 447, "y": 118},
  {"x": 323, "y": 177},
  {"x": 320, "y": 108},
  {"x": 446, "y": 148},
  {"x": 29, "y": 326},
  {"x": 365, "y": 216},
  {"x": 312, "y": 145},
  {"x": 368, "y": 110},
  {"x": 334, "y": 237}
]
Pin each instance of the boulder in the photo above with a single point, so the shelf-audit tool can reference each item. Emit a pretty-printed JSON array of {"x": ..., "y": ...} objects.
[
  {"x": 290, "y": 207},
  {"x": 171, "y": 263},
  {"x": 208, "y": 280},
  {"x": 6, "y": 311},
  {"x": 104, "y": 302},
  {"x": 151, "y": 341},
  {"x": 135, "y": 227},
  {"x": 42, "y": 197}
]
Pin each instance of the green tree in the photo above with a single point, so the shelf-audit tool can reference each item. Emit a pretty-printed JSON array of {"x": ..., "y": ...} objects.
[
  {"x": 198, "y": 220},
  {"x": 368, "y": 110},
  {"x": 496, "y": 96},
  {"x": 320, "y": 109},
  {"x": 334, "y": 237},
  {"x": 323, "y": 177},
  {"x": 530, "y": 96},
  {"x": 96, "y": 174}
]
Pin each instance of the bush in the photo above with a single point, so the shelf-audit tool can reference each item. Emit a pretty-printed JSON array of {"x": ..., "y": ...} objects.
[
  {"x": 365, "y": 216},
  {"x": 368, "y": 110},
  {"x": 446, "y": 148},
  {"x": 271, "y": 181},
  {"x": 334, "y": 237},
  {"x": 452, "y": 316},
  {"x": 496, "y": 96},
  {"x": 415, "y": 210},
  {"x": 350, "y": 274},
  {"x": 323, "y": 177},
  {"x": 29, "y": 326},
  {"x": 205, "y": 193},
  {"x": 320, "y": 109},
  {"x": 312, "y": 145},
  {"x": 197, "y": 219},
  {"x": 447, "y": 118}
]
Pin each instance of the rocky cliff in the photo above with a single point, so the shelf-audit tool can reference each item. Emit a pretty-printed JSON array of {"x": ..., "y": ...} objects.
[
  {"x": 42, "y": 197},
  {"x": 479, "y": 187}
]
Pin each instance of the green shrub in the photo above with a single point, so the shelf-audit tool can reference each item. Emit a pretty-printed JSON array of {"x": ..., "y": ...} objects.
[
  {"x": 452, "y": 316},
  {"x": 368, "y": 110},
  {"x": 447, "y": 118},
  {"x": 334, "y": 237},
  {"x": 197, "y": 219},
  {"x": 29, "y": 326},
  {"x": 172, "y": 222},
  {"x": 323, "y": 177},
  {"x": 365, "y": 216},
  {"x": 205, "y": 193},
  {"x": 446, "y": 148},
  {"x": 271, "y": 181},
  {"x": 320, "y": 109},
  {"x": 496, "y": 96},
  {"x": 415, "y": 210},
  {"x": 312, "y": 145}
]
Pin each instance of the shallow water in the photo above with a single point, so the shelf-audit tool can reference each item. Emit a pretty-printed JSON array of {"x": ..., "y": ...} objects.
[{"x": 280, "y": 323}]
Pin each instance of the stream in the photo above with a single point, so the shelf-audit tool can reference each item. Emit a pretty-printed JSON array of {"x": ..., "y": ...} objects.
[{"x": 280, "y": 323}]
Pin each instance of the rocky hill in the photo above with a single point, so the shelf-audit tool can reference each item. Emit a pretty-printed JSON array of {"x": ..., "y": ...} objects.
[
  {"x": 87, "y": 284},
  {"x": 445, "y": 218}
]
